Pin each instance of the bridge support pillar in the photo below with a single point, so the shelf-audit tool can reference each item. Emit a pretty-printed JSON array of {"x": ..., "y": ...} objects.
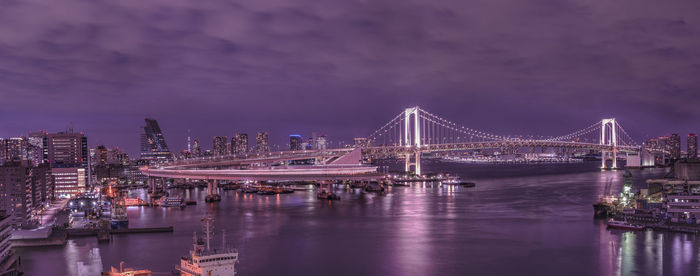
[
  {"x": 212, "y": 191},
  {"x": 415, "y": 163},
  {"x": 418, "y": 170},
  {"x": 614, "y": 159},
  {"x": 603, "y": 156}
]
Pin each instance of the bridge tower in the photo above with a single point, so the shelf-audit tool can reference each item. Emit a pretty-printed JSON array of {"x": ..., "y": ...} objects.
[
  {"x": 608, "y": 140},
  {"x": 412, "y": 138}
]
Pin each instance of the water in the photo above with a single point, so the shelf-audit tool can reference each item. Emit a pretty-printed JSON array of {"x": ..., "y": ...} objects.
[{"x": 520, "y": 219}]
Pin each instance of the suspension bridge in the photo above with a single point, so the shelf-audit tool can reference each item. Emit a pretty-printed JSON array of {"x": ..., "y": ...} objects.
[
  {"x": 416, "y": 131},
  {"x": 408, "y": 135}
]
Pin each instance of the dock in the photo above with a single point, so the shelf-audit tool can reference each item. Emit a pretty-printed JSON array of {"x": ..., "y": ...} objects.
[{"x": 60, "y": 236}]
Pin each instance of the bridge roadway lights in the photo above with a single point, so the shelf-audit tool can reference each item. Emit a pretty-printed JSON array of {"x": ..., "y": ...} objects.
[{"x": 212, "y": 191}]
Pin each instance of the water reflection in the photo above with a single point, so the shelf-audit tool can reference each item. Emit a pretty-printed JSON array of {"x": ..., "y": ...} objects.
[{"x": 512, "y": 223}]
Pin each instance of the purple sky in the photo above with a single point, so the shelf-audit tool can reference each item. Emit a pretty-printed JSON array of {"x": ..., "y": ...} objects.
[{"x": 345, "y": 67}]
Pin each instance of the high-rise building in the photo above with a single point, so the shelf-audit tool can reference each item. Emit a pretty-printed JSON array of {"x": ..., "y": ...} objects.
[
  {"x": 3, "y": 151},
  {"x": 42, "y": 184},
  {"x": 66, "y": 149},
  {"x": 68, "y": 181},
  {"x": 36, "y": 147},
  {"x": 261, "y": 142},
  {"x": 321, "y": 143},
  {"x": 15, "y": 191},
  {"x": 196, "y": 149},
  {"x": 674, "y": 146},
  {"x": 15, "y": 149},
  {"x": 692, "y": 146},
  {"x": 153, "y": 146},
  {"x": 220, "y": 145},
  {"x": 239, "y": 143},
  {"x": 295, "y": 142}
]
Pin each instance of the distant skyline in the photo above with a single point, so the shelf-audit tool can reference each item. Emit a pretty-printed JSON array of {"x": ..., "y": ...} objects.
[{"x": 344, "y": 68}]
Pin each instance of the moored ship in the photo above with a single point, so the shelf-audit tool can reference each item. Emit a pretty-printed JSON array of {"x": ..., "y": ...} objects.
[
  {"x": 624, "y": 225},
  {"x": 204, "y": 260}
]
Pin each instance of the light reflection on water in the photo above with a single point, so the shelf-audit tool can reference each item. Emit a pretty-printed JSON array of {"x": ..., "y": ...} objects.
[{"x": 524, "y": 220}]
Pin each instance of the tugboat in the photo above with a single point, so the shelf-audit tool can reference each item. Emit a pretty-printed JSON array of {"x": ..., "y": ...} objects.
[
  {"x": 624, "y": 225},
  {"x": 203, "y": 260}
]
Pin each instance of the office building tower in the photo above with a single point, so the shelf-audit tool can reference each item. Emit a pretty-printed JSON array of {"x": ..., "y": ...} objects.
[
  {"x": 220, "y": 145},
  {"x": 15, "y": 149},
  {"x": 196, "y": 149},
  {"x": 692, "y": 146},
  {"x": 262, "y": 142},
  {"x": 321, "y": 143},
  {"x": 36, "y": 147},
  {"x": 3, "y": 151},
  {"x": 295, "y": 142},
  {"x": 153, "y": 146},
  {"x": 239, "y": 143},
  {"x": 41, "y": 185},
  {"x": 674, "y": 146},
  {"x": 15, "y": 191},
  {"x": 66, "y": 150}
]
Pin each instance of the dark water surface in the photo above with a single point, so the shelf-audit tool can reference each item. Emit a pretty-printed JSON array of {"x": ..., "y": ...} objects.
[{"x": 519, "y": 220}]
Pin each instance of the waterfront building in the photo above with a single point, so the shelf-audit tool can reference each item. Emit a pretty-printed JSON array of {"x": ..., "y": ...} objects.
[
  {"x": 674, "y": 146},
  {"x": 15, "y": 192},
  {"x": 262, "y": 142},
  {"x": 220, "y": 145},
  {"x": 239, "y": 143},
  {"x": 692, "y": 146},
  {"x": 320, "y": 142},
  {"x": 68, "y": 181},
  {"x": 153, "y": 146},
  {"x": 9, "y": 261},
  {"x": 295, "y": 142}
]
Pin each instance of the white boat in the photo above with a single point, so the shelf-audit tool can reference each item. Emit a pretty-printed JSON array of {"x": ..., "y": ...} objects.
[
  {"x": 171, "y": 201},
  {"x": 624, "y": 225},
  {"x": 205, "y": 261}
]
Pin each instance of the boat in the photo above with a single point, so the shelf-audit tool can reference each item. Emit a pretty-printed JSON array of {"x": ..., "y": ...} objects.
[
  {"x": 204, "y": 260},
  {"x": 212, "y": 198},
  {"x": 171, "y": 201},
  {"x": 267, "y": 192},
  {"x": 602, "y": 209},
  {"x": 616, "y": 224},
  {"x": 119, "y": 217},
  {"x": 250, "y": 190},
  {"x": 125, "y": 271},
  {"x": 467, "y": 184}
]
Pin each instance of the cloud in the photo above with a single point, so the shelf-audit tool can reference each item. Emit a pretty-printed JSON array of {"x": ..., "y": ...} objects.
[{"x": 344, "y": 65}]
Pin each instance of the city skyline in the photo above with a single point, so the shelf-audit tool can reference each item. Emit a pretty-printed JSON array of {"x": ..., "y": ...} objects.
[{"x": 636, "y": 64}]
